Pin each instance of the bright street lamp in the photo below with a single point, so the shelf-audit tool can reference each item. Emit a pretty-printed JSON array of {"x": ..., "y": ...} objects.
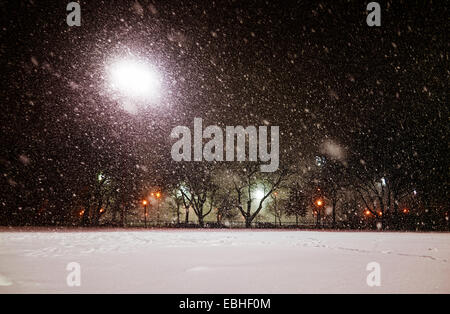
[
  {"x": 134, "y": 79},
  {"x": 133, "y": 82}
]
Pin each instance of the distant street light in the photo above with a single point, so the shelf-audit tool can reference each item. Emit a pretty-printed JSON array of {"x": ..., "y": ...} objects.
[
  {"x": 259, "y": 194},
  {"x": 144, "y": 202},
  {"x": 319, "y": 204},
  {"x": 157, "y": 195}
]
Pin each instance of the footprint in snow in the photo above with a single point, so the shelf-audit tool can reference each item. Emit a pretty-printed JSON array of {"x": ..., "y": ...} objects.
[
  {"x": 4, "y": 281},
  {"x": 198, "y": 268}
]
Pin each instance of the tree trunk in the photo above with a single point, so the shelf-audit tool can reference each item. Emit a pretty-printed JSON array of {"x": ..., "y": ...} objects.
[
  {"x": 248, "y": 222},
  {"x": 178, "y": 214},
  {"x": 187, "y": 215},
  {"x": 114, "y": 213},
  {"x": 334, "y": 214},
  {"x": 85, "y": 218},
  {"x": 218, "y": 217},
  {"x": 201, "y": 221},
  {"x": 96, "y": 216},
  {"x": 122, "y": 215}
]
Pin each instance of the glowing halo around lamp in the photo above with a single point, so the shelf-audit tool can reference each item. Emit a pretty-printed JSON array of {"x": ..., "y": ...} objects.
[
  {"x": 259, "y": 194},
  {"x": 133, "y": 82}
]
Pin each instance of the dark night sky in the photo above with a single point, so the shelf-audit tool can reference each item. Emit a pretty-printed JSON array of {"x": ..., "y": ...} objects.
[{"x": 314, "y": 68}]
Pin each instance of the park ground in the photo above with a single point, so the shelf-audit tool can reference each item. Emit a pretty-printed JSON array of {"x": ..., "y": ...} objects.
[{"x": 36, "y": 260}]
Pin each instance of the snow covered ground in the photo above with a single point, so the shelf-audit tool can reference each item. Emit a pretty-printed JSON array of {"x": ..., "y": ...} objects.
[{"x": 212, "y": 261}]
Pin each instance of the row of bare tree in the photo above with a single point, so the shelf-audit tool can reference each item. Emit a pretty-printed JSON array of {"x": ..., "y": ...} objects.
[{"x": 231, "y": 190}]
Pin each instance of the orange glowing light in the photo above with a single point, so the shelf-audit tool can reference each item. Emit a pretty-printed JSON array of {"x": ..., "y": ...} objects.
[
  {"x": 367, "y": 212},
  {"x": 319, "y": 202},
  {"x": 158, "y": 195},
  {"x": 405, "y": 210},
  {"x": 144, "y": 202}
]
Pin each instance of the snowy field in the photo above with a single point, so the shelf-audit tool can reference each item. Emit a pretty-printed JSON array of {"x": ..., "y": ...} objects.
[{"x": 211, "y": 261}]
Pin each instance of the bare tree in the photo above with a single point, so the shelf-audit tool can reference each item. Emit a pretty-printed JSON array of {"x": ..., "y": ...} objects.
[
  {"x": 246, "y": 184},
  {"x": 297, "y": 203},
  {"x": 226, "y": 209},
  {"x": 196, "y": 189},
  {"x": 177, "y": 200},
  {"x": 277, "y": 207},
  {"x": 332, "y": 181}
]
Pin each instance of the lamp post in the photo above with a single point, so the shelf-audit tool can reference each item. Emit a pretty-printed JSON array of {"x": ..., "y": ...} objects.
[
  {"x": 158, "y": 195},
  {"x": 144, "y": 202},
  {"x": 319, "y": 205},
  {"x": 275, "y": 194},
  {"x": 133, "y": 83}
]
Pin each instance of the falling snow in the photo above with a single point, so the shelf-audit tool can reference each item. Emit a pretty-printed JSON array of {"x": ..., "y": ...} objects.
[{"x": 87, "y": 113}]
